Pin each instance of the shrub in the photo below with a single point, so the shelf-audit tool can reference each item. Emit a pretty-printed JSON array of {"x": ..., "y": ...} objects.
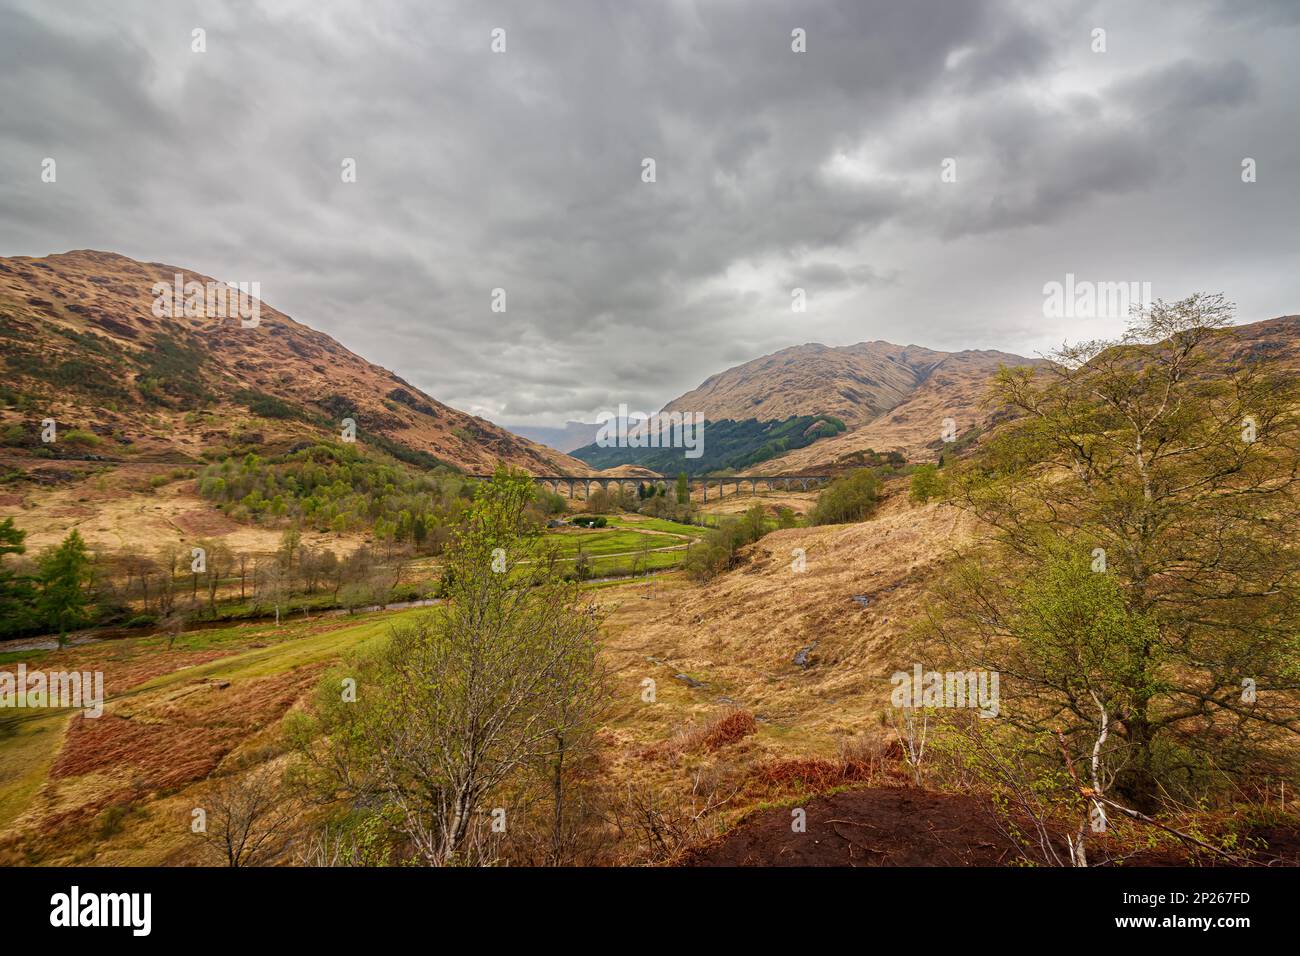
[
  {"x": 848, "y": 499},
  {"x": 600, "y": 500},
  {"x": 83, "y": 438},
  {"x": 111, "y": 820},
  {"x": 713, "y": 735},
  {"x": 266, "y": 406},
  {"x": 927, "y": 483},
  {"x": 549, "y": 502},
  {"x": 716, "y": 551}
]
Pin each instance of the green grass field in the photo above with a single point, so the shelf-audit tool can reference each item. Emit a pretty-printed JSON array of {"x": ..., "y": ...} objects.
[
  {"x": 604, "y": 541},
  {"x": 631, "y": 544},
  {"x": 656, "y": 524},
  {"x": 655, "y": 561}
]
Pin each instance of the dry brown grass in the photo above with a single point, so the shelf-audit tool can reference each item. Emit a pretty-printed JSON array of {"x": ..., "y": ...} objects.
[
  {"x": 117, "y": 512},
  {"x": 707, "y": 737},
  {"x": 737, "y": 635},
  {"x": 800, "y": 502},
  {"x": 184, "y": 735},
  {"x": 859, "y": 763},
  {"x": 728, "y": 645}
]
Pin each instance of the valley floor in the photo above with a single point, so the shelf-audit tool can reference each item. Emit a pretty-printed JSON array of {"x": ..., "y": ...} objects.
[
  {"x": 736, "y": 725},
  {"x": 120, "y": 789}
]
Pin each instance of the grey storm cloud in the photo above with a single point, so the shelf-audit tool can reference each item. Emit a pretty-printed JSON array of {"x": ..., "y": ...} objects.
[{"x": 522, "y": 170}]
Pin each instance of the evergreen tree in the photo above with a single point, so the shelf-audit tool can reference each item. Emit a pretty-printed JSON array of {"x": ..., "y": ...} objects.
[
  {"x": 15, "y": 591},
  {"x": 63, "y": 604}
]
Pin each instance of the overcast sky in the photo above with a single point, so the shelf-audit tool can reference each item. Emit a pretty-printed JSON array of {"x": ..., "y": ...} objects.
[{"x": 522, "y": 170}]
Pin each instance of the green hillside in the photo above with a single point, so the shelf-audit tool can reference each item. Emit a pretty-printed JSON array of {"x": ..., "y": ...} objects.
[{"x": 728, "y": 445}]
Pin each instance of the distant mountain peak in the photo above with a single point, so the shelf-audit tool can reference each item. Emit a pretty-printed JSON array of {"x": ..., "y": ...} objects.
[{"x": 856, "y": 383}]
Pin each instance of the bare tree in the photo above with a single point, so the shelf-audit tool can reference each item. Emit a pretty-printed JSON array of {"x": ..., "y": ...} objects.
[
  {"x": 218, "y": 563},
  {"x": 173, "y": 625},
  {"x": 169, "y": 560},
  {"x": 913, "y": 732},
  {"x": 272, "y": 578},
  {"x": 246, "y": 813},
  {"x": 666, "y": 823}
]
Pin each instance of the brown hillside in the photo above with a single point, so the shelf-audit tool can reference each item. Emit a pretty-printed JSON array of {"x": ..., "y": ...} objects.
[
  {"x": 82, "y": 345},
  {"x": 738, "y": 635},
  {"x": 628, "y": 471},
  {"x": 856, "y": 383},
  {"x": 956, "y": 387}
]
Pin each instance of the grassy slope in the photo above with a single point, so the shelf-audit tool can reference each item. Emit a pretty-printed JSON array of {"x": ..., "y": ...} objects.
[
  {"x": 31, "y": 741},
  {"x": 736, "y": 635},
  {"x": 27, "y": 753}
]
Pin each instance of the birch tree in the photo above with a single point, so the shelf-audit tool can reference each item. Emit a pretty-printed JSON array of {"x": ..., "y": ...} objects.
[{"x": 1139, "y": 589}]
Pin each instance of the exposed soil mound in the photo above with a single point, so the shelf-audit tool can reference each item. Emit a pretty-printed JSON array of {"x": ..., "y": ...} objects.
[
  {"x": 879, "y": 826},
  {"x": 907, "y": 826}
]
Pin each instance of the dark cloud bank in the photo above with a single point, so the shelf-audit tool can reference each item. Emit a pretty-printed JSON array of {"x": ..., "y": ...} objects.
[{"x": 522, "y": 170}]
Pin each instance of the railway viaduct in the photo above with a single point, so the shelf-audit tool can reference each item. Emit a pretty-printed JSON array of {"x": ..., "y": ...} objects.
[{"x": 702, "y": 484}]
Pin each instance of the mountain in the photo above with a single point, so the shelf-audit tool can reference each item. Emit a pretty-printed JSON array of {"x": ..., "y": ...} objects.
[
  {"x": 890, "y": 397},
  {"x": 956, "y": 387},
  {"x": 1279, "y": 338},
  {"x": 855, "y": 383},
  {"x": 85, "y": 343},
  {"x": 572, "y": 436}
]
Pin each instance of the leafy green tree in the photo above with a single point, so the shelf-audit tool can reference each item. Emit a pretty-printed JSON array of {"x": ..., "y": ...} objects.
[
  {"x": 683, "y": 489},
  {"x": 718, "y": 550},
  {"x": 1169, "y": 467},
  {"x": 63, "y": 602},
  {"x": 16, "y": 593},
  {"x": 474, "y": 699},
  {"x": 851, "y": 498},
  {"x": 926, "y": 483},
  {"x": 754, "y": 522}
]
